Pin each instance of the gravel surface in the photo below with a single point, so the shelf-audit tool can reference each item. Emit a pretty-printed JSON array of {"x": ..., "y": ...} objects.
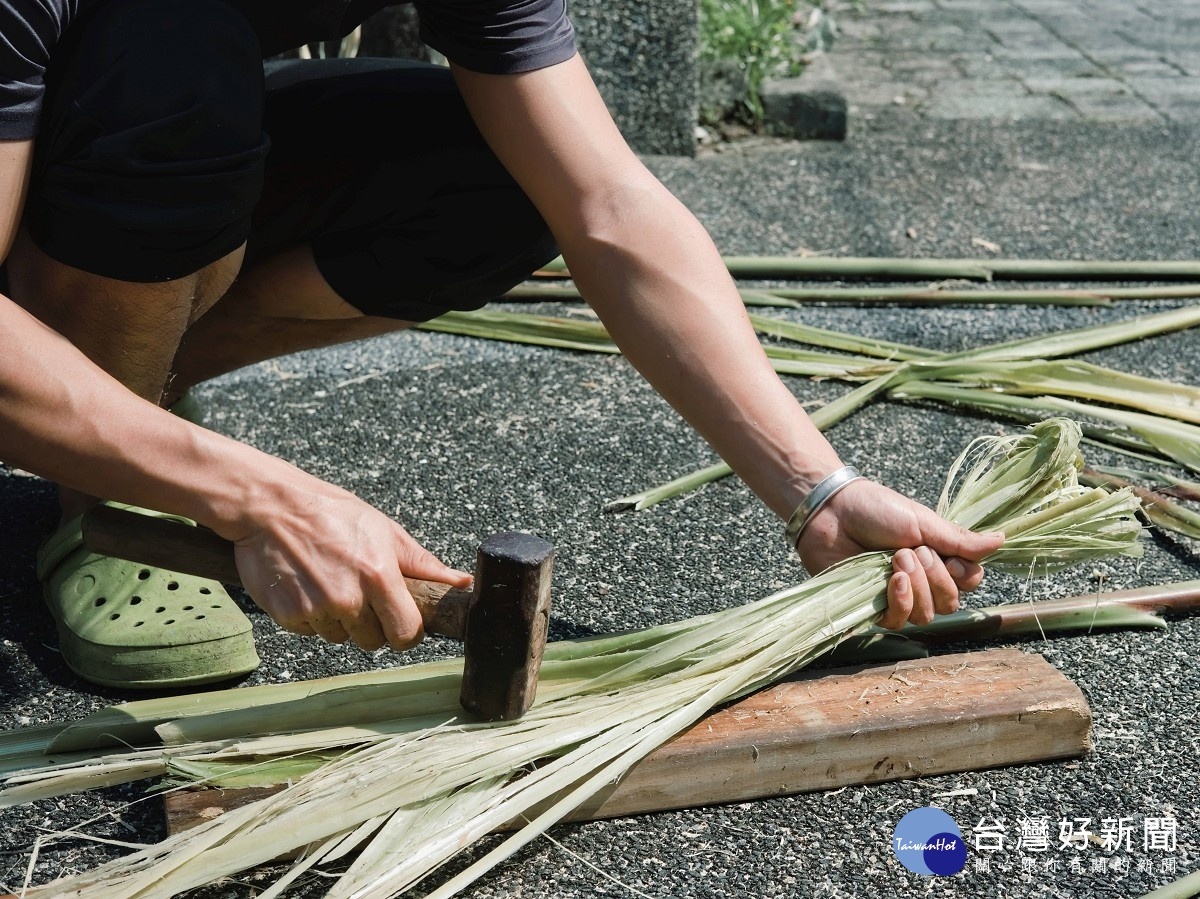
[{"x": 462, "y": 438}]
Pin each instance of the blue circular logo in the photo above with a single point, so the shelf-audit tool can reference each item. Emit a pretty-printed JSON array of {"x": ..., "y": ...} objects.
[{"x": 928, "y": 842}]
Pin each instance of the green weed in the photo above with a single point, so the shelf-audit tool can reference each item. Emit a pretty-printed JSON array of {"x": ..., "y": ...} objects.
[{"x": 760, "y": 36}]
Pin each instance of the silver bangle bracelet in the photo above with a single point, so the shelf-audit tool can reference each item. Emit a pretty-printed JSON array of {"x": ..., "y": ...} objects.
[{"x": 818, "y": 497}]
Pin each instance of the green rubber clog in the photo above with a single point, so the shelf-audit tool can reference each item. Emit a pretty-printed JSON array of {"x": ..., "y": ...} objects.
[
  {"x": 123, "y": 624},
  {"x": 189, "y": 408}
]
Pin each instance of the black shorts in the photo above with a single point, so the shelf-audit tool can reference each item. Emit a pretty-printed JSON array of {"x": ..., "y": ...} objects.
[{"x": 163, "y": 146}]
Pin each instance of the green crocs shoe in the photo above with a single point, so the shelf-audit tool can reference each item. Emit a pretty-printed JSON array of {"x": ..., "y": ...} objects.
[
  {"x": 122, "y": 624},
  {"x": 190, "y": 409}
]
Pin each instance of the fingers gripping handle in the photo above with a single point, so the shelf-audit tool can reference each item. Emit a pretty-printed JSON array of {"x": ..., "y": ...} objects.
[{"x": 176, "y": 546}]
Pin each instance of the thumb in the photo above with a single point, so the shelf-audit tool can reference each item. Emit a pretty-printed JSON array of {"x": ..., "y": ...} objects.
[
  {"x": 417, "y": 562},
  {"x": 950, "y": 540}
]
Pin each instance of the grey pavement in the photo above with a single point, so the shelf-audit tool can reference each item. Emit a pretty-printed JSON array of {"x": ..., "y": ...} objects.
[
  {"x": 1090, "y": 60},
  {"x": 462, "y": 438}
]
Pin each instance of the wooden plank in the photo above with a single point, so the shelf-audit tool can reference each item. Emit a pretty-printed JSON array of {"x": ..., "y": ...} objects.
[{"x": 823, "y": 730}]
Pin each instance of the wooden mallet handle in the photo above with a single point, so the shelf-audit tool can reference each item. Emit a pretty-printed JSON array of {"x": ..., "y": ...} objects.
[{"x": 175, "y": 546}]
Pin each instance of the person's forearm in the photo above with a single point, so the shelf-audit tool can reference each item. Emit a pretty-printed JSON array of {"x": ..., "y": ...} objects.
[
  {"x": 660, "y": 287},
  {"x": 651, "y": 272},
  {"x": 316, "y": 558},
  {"x": 63, "y": 418}
]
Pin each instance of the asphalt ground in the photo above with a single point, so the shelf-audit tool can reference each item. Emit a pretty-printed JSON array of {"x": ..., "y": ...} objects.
[{"x": 460, "y": 438}]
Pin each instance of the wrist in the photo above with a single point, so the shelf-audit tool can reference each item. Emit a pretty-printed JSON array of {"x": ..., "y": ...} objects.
[
  {"x": 238, "y": 489},
  {"x": 816, "y": 499}
]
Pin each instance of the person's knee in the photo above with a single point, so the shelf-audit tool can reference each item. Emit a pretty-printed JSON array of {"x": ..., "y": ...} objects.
[
  {"x": 464, "y": 234},
  {"x": 515, "y": 261},
  {"x": 151, "y": 149},
  {"x": 386, "y": 276}
]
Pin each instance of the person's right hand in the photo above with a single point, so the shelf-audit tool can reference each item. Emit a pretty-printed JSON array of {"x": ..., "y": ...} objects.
[{"x": 321, "y": 561}]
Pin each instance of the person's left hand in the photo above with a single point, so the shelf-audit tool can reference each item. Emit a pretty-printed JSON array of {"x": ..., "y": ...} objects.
[{"x": 934, "y": 560}]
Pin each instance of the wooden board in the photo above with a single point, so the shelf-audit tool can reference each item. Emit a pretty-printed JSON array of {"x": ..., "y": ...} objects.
[{"x": 823, "y": 730}]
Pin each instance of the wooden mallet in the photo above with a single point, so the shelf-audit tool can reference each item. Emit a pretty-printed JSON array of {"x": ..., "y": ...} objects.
[{"x": 502, "y": 621}]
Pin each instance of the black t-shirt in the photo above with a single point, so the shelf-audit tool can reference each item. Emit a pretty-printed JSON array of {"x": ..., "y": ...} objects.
[{"x": 491, "y": 36}]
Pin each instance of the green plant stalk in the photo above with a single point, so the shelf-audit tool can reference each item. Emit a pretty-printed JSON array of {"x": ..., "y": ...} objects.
[
  {"x": 1071, "y": 378},
  {"x": 136, "y": 723},
  {"x": 1175, "y": 440},
  {"x": 944, "y": 295},
  {"x": 837, "y": 340},
  {"x": 934, "y": 296},
  {"x": 1082, "y": 340},
  {"x": 1174, "y": 486},
  {"x": 541, "y": 294},
  {"x": 588, "y": 336},
  {"x": 1157, "y": 508},
  {"x": 989, "y": 624},
  {"x": 791, "y": 360},
  {"x": 797, "y": 297},
  {"x": 1187, "y": 887},
  {"x": 1144, "y": 606},
  {"x": 228, "y": 847},
  {"x": 1093, "y": 435},
  {"x": 1040, "y": 269},
  {"x": 785, "y": 267},
  {"x": 538, "y": 330},
  {"x": 1003, "y": 486}
]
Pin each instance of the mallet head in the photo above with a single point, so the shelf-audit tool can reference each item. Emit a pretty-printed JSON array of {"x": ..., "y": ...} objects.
[{"x": 506, "y": 625}]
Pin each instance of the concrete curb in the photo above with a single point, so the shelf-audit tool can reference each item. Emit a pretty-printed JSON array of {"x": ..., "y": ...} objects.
[{"x": 809, "y": 107}]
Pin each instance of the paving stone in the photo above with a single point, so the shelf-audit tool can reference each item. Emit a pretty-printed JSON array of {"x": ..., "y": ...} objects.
[
  {"x": 1149, "y": 68},
  {"x": 968, "y": 99},
  {"x": 1188, "y": 63},
  {"x": 971, "y": 6},
  {"x": 1050, "y": 9},
  {"x": 908, "y": 6},
  {"x": 1078, "y": 87},
  {"x": 975, "y": 66},
  {"x": 988, "y": 12},
  {"x": 1022, "y": 33},
  {"x": 869, "y": 59},
  {"x": 1139, "y": 27},
  {"x": 939, "y": 38},
  {"x": 1097, "y": 99},
  {"x": 918, "y": 68},
  {"x": 1175, "y": 43},
  {"x": 883, "y": 93},
  {"x": 856, "y": 31},
  {"x": 1176, "y": 98},
  {"x": 1122, "y": 55},
  {"x": 1079, "y": 30},
  {"x": 1055, "y": 51}
]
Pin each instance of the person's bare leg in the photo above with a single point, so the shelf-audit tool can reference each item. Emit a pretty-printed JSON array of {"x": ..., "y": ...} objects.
[
  {"x": 282, "y": 305},
  {"x": 131, "y": 330}
]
